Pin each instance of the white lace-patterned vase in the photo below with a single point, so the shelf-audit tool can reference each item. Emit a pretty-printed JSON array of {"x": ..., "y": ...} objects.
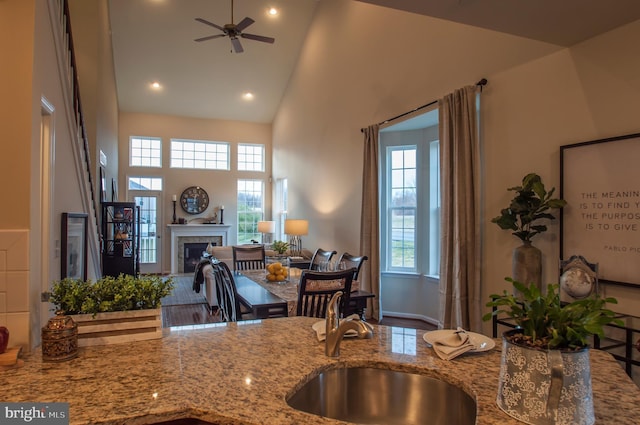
[{"x": 545, "y": 387}]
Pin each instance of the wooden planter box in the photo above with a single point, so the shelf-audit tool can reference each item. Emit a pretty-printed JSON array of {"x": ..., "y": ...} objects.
[{"x": 118, "y": 327}]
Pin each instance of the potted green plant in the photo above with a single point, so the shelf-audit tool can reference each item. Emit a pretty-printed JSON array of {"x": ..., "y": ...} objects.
[
  {"x": 547, "y": 355},
  {"x": 109, "y": 294},
  {"x": 280, "y": 247},
  {"x": 523, "y": 215},
  {"x": 113, "y": 309}
]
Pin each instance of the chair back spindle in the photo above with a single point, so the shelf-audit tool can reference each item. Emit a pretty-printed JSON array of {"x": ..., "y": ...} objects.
[{"x": 317, "y": 288}]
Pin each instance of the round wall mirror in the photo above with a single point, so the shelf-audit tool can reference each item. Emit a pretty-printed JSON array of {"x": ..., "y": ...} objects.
[{"x": 194, "y": 200}]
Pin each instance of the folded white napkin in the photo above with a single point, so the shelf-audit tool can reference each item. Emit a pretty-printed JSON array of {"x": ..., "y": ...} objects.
[
  {"x": 453, "y": 345},
  {"x": 321, "y": 328}
]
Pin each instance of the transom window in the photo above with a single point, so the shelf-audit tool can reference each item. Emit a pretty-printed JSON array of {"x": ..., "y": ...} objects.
[
  {"x": 250, "y": 157},
  {"x": 250, "y": 210},
  {"x": 145, "y": 151},
  {"x": 197, "y": 154},
  {"x": 145, "y": 183}
]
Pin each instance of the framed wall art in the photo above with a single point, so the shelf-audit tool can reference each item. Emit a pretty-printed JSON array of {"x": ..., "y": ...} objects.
[
  {"x": 103, "y": 185},
  {"x": 600, "y": 180},
  {"x": 74, "y": 246}
]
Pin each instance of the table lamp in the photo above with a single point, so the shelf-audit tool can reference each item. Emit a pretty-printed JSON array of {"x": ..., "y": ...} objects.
[
  {"x": 267, "y": 228},
  {"x": 295, "y": 229}
]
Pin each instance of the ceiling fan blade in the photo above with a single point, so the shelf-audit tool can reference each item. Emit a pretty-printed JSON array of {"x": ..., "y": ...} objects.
[
  {"x": 210, "y": 37},
  {"x": 258, "y": 38},
  {"x": 204, "y": 21},
  {"x": 244, "y": 23},
  {"x": 236, "y": 45}
]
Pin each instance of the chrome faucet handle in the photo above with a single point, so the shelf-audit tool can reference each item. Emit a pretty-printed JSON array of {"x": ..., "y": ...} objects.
[
  {"x": 333, "y": 313},
  {"x": 334, "y": 304},
  {"x": 335, "y": 329}
]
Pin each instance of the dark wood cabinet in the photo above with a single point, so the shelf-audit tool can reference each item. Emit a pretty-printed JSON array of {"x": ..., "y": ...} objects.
[{"x": 121, "y": 239}]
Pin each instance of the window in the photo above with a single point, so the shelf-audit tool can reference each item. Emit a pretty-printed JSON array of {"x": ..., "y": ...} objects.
[
  {"x": 410, "y": 201},
  {"x": 145, "y": 183},
  {"x": 281, "y": 208},
  {"x": 402, "y": 206},
  {"x": 145, "y": 151},
  {"x": 250, "y": 157},
  {"x": 250, "y": 209},
  {"x": 197, "y": 154}
]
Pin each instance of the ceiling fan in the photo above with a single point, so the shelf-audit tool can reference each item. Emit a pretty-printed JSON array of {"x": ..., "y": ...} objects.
[{"x": 233, "y": 31}]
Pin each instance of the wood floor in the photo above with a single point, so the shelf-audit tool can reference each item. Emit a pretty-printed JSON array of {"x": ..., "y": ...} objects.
[
  {"x": 182, "y": 308},
  {"x": 198, "y": 314}
]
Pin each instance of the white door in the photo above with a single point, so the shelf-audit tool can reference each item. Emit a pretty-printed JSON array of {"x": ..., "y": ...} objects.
[{"x": 150, "y": 234}]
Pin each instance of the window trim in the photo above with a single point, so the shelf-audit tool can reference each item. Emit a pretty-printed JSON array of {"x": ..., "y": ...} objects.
[
  {"x": 160, "y": 178},
  {"x": 263, "y": 163},
  {"x": 152, "y": 139},
  {"x": 202, "y": 142},
  {"x": 427, "y": 262},
  {"x": 255, "y": 235}
]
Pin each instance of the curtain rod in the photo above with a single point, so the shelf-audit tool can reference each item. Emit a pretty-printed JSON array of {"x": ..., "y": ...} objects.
[{"x": 480, "y": 83}]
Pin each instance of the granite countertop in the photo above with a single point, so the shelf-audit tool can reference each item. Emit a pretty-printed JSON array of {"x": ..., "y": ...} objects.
[{"x": 242, "y": 373}]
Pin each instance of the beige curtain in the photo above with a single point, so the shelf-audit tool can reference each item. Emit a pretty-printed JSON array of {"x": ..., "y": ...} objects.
[
  {"x": 370, "y": 220},
  {"x": 460, "y": 303}
]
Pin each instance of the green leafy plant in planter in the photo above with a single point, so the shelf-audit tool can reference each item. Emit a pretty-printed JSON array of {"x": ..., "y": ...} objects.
[
  {"x": 522, "y": 216},
  {"x": 530, "y": 205},
  {"x": 280, "y": 247},
  {"x": 545, "y": 375},
  {"x": 547, "y": 323},
  {"x": 108, "y": 294}
]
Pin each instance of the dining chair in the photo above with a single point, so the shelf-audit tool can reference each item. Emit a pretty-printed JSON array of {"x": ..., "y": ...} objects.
[
  {"x": 227, "y": 294},
  {"x": 347, "y": 261},
  {"x": 316, "y": 289},
  {"x": 248, "y": 257},
  {"x": 319, "y": 257}
]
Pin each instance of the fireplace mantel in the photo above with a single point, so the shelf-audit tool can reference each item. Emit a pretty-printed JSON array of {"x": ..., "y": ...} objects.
[{"x": 190, "y": 230}]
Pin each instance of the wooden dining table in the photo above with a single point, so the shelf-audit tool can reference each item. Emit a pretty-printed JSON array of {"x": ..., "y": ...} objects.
[{"x": 269, "y": 299}]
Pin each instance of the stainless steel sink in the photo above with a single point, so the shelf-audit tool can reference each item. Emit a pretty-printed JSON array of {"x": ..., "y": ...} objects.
[{"x": 378, "y": 396}]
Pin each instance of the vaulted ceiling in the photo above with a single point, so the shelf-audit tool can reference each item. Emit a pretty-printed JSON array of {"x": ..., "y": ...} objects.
[{"x": 153, "y": 40}]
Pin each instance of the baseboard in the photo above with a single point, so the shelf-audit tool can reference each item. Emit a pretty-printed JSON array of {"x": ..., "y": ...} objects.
[{"x": 412, "y": 316}]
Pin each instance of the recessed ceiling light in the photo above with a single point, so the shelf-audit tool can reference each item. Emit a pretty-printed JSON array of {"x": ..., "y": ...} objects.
[
  {"x": 155, "y": 85},
  {"x": 247, "y": 95},
  {"x": 273, "y": 11}
]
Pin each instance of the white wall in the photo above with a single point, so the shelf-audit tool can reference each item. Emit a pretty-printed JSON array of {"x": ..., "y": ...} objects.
[
  {"x": 221, "y": 186},
  {"x": 26, "y": 34},
  {"x": 94, "y": 57},
  {"x": 353, "y": 72}
]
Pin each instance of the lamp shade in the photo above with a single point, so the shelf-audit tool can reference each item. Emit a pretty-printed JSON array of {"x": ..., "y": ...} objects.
[
  {"x": 296, "y": 227},
  {"x": 267, "y": 226}
]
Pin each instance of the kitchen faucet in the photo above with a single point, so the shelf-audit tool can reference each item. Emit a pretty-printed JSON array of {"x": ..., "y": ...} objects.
[{"x": 335, "y": 329}]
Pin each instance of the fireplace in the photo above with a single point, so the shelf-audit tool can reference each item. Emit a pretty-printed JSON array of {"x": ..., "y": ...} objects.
[
  {"x": 192, "y": 253},
  {"x": 182, "y": 234}
]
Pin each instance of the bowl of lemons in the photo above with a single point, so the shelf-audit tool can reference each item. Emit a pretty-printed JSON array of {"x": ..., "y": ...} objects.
[{"x": 277, "y": 272}]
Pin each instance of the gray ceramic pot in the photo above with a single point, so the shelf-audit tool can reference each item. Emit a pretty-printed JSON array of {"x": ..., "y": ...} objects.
[
  {"x": 545, "y": 387},
  {"x": 526, "y": 265}
]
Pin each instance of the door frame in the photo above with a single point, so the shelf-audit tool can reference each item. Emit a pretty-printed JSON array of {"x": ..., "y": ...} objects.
[{"x": 151, "y": 268}]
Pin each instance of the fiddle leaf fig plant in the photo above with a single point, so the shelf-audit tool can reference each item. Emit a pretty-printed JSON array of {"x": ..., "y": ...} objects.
[
  {"x": 530, "y": 205},
  {"x": 547, "y": 323}
]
